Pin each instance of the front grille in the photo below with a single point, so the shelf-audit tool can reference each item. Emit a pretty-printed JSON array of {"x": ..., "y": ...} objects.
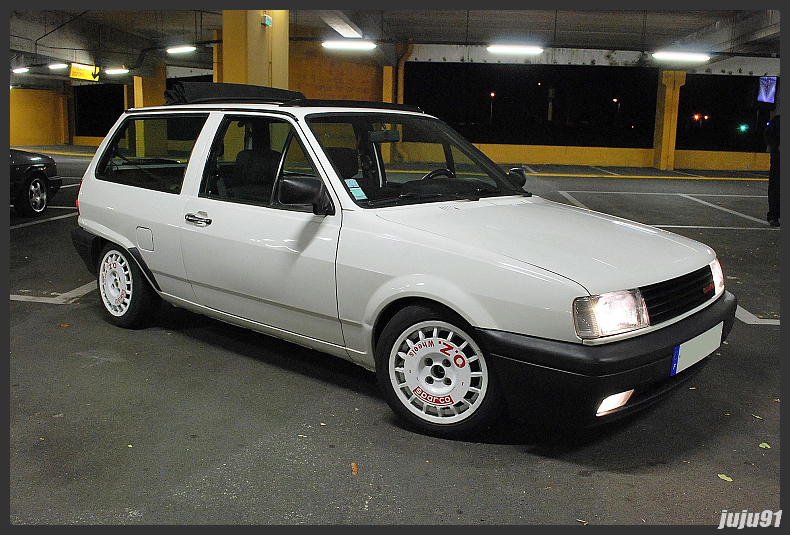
[{"x": 669, "y": 299}]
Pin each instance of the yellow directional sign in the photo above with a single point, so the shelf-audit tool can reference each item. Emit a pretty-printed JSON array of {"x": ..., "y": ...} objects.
[{"x": 84, "y": 72}]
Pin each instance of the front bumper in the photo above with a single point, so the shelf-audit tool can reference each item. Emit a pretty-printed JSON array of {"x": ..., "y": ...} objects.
[{"x": 562, "y": 383}]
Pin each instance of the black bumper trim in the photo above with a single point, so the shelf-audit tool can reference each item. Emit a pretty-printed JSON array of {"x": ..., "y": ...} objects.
[
  {"x": 86, "y": 244},
  {"x": 565, "y": 382}
]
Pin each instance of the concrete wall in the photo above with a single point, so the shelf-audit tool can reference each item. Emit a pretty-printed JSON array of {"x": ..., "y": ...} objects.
[{"x": 38, "y": 117}]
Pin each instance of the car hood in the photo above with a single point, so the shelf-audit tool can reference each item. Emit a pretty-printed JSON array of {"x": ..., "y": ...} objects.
[{"x": 600, "y": 252}]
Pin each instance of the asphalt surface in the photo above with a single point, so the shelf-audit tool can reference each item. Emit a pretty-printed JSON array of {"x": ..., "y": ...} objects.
[{"x": 192, "y": 421}]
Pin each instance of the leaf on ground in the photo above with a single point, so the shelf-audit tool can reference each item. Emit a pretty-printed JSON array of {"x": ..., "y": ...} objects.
[
  {"x": 354, "y": 469},
  {"x": 583, "y": 522},
  {"x": 765, "y": 445},
  {"x": 725, "y": 477},
  {"x": 758, "y": 417},
  {"x": 64, "y": 324}
]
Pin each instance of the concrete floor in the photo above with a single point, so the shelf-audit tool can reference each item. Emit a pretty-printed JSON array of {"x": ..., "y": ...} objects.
[{"x": 191, "y": 421}]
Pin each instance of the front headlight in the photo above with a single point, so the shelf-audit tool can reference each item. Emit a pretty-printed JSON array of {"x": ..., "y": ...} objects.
[
  {"x": 718, "y": 276},
  {"x": 609, "y": 313}
]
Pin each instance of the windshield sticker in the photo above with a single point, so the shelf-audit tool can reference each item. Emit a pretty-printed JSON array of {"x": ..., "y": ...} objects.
[
  {"x": 352, "y": 183},
  {"x": 358, "y": 193}
]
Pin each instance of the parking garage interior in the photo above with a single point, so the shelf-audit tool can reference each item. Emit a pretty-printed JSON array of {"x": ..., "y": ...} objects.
[{"x": 191, "y": 421}]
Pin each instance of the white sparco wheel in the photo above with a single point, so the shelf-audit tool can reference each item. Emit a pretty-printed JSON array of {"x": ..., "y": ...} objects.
[
  {"x": 126, "y": 296},
  {"x": 434, "y": 374},
  {"x": 115, "y": 283}
]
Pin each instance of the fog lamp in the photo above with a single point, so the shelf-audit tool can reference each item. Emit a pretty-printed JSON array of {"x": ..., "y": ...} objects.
[{"x": 614, "y": 401}]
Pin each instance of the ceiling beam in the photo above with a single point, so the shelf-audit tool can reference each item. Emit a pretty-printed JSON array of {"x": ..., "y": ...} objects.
[{"x": 338, "y": 21}]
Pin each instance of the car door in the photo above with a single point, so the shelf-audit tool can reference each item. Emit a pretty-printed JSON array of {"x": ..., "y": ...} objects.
[{"x": 249, "y": 256}]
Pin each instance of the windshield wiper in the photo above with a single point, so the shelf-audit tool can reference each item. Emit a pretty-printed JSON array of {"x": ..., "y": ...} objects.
[{"x": 412, "y": 195}]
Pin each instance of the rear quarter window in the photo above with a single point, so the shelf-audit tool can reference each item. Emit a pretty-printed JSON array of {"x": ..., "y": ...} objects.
[{"x": 151, "y": 152}]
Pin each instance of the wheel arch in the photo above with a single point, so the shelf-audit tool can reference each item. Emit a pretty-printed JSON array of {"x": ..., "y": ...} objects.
[{"x": 391, "y": 309}]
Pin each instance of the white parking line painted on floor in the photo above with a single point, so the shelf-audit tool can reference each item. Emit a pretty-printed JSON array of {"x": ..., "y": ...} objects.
[
  {"x": 572, "y": 199},
  {"x": 687, "y": 174},
  {"x": 62, "y": 299},
  {"x": 747, "y": 317},
  {"x": 664, "y": 193},
  {"x": 529, "y": 169},
  {"x": 604, "y": 170},
  {"x": 69, "y": 186},
  {"x": 718, "y": 228},
  {"x": 39, "y": 221},
  {"x": 733, "y": 212}
]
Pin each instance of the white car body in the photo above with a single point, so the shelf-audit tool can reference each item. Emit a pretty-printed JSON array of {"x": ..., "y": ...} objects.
[{"x": 508, "y": 263}]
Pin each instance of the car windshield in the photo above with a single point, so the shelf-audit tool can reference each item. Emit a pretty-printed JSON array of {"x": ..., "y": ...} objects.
[{"x": 387, "y": 159}]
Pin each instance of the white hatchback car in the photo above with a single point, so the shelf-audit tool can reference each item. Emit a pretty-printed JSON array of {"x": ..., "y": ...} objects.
[{"x": 377, "y": 234}]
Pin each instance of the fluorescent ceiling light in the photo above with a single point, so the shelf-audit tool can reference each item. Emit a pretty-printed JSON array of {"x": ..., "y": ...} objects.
[
  {"x": 55, "y": 66},
  {"x": 349, "y": 45},
  {"x": 20, "y": 70},
  {"x": 514, "y": 49},
  {"x": 681, "y": 56},
  {"x": 181, "y": 49},
  {"x": 116, "y": 71}
]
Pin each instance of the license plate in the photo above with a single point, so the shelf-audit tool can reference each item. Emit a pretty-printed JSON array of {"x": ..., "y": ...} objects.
[{"x": 690, "y": 352}]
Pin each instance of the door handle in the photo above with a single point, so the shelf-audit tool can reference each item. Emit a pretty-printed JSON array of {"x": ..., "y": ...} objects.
[{"x": 198, "y": 220}]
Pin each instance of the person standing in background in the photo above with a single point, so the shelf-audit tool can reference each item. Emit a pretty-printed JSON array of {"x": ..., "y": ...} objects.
[{"x": 772, "y": 139}]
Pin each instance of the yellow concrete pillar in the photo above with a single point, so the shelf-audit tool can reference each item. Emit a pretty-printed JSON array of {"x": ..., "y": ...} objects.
[
  {"x": 217, "y": 52},
  {"x": 387, "y": 79},
  {"x": 665, "y": 133},
  {"x": 252, "y": 52},
  {"x": 150, "y": 90}
]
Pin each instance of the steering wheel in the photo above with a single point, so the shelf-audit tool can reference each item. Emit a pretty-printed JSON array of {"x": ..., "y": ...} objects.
[{"x": 439, "y": 172}]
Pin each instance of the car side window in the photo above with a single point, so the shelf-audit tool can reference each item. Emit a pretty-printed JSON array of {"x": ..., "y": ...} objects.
[
  {"x": 151, "y": 152},
  {"x": 245, "y": 159}
]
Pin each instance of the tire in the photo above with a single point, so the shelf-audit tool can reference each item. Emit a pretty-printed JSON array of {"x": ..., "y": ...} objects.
[
  {"x": 32, "y": 199},
  {"x": 434, "y": 375},
  {"x": 125, "y": 294}
]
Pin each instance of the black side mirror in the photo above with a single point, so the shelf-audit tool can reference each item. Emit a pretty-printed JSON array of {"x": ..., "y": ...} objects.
[
  {"x": 519, "y": 176},
  {"x": 306, "y": 190}
]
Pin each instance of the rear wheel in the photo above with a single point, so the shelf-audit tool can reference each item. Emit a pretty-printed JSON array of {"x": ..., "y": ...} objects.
[
  {"x": 126, "y": 296},
  {"x": 33, "y": 196},
  {"x": 433, "y": 373}
]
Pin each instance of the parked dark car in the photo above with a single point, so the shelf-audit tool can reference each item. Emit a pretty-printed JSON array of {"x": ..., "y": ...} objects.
[{"x": 34, "y": 181}]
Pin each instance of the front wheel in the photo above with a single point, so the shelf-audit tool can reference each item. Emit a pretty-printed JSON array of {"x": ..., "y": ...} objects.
[
  {"x": 126, "y": 296},
  {"x": 433, "y": 373}
]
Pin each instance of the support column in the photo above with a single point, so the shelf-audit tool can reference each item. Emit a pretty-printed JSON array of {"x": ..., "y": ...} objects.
[
  {"x": 387, "y": 79},
  {"x": 217, "y": 57},
  {"x": 665, "y": 133},
  {"x": 253, "y": 53},
  {"x": 150, "y": 90}
]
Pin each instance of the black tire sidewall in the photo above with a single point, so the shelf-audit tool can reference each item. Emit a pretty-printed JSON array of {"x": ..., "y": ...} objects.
[
  {"x": 143, "y": 300},
  {"x": 483, "y": 416}
]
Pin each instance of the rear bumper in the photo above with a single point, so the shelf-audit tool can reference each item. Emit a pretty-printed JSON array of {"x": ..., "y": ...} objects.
[
  {"x": 564, "y": 383},
  {"x": 86, "y": 244}
]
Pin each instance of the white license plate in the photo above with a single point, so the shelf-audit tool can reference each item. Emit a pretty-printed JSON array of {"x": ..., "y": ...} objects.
[{"x": 690, "y": 352}]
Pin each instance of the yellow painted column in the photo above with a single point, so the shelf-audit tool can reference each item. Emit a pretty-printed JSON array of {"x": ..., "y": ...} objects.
[
  {"x": 217, "y": 53},
  {"x": 150, "y": 90},
  {"x": 665, "y": 133},
  {"x": 387, "y": 79},
  {"x": 253, "y": 53}
]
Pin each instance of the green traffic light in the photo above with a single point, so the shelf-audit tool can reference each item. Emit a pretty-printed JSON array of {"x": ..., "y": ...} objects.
[{"x": 743, "y": 127}]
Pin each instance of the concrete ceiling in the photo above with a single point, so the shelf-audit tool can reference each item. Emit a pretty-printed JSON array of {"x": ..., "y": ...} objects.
[{"x": 138, "y": 38}]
